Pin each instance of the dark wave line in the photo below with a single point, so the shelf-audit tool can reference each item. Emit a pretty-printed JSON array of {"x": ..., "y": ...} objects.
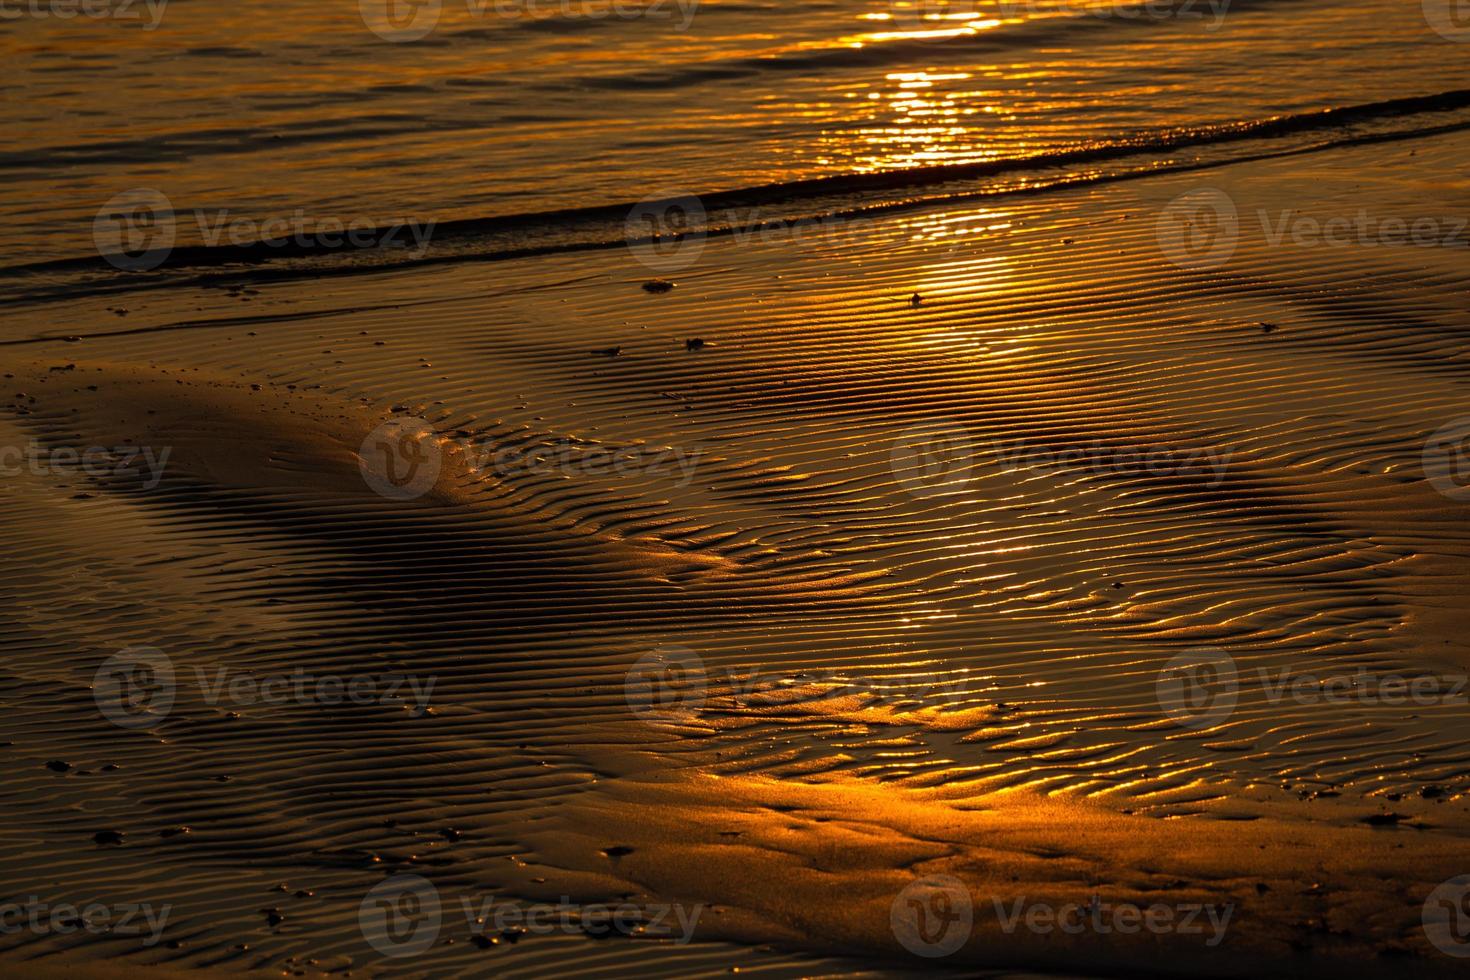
[{"x": 600, "y": 226}]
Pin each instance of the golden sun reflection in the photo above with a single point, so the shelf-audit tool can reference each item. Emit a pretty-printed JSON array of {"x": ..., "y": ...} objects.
[
  {"x": 916, "y": 25},
  {"x": 920, "y": 118},
  {"x": 958, "y": 260}
]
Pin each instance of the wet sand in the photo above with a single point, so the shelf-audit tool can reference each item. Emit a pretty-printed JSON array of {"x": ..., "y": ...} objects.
[{"x": 927, "y": 647}]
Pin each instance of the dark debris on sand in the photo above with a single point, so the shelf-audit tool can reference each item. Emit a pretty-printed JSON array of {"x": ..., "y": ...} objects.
[{"x": 1385, "y": 819}]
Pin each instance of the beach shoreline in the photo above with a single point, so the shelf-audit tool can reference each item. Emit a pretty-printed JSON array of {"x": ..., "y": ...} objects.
[{"x": 870, "y": 488}]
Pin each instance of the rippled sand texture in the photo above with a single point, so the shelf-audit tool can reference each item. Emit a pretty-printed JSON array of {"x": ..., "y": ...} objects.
[{"x": 917, "y": 661}]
